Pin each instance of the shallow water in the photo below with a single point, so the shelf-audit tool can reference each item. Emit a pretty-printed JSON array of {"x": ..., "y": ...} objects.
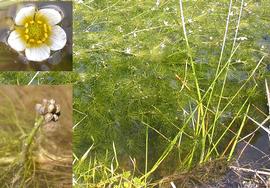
[{"x": 136, "y": 56}]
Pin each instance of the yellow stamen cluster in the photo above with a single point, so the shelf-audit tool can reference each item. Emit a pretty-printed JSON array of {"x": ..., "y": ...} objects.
[{"x": 36, "y": 32}]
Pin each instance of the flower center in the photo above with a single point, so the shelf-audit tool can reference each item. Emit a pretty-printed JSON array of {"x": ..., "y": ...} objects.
[{"x": 36, "y": 31}]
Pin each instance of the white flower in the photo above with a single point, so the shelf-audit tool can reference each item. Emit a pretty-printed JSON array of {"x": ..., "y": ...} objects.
[
  {"x": 166, "y": 23},
  {"x": 241, "y": 38},
  {"x": 189, "y": 20},
  {"x": 128, "y": 50},
  {"x": 162, "y": 45},
  {"x": 37, "y": 33},
  {"x": 79, "y": 1},
  {"x": 157, "y": 3}
]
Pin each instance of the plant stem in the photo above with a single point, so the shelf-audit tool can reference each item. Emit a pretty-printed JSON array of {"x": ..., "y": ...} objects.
[
  {"x": 200, "y": 125},
  {"x": 238, "y": 134},
  {"x": 29, "y": 140},
  {"x": 146, "y": 154}
]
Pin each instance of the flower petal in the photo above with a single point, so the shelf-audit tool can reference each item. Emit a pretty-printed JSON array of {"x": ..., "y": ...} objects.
[
  {"x": 38, "y": 54},
  {"x": 58, "y": 38},
  {"x": 15, "y": 41},
  {"x": 53, "y": 16},
  {"x": 24, "y": 13}
]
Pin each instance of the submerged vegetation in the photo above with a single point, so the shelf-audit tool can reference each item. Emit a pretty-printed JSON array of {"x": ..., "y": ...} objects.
[
  {"x": 168, "y": 87},
  {"x": 162, "y": 89}
]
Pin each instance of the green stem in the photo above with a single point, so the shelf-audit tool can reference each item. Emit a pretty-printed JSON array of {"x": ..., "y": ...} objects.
[
  {"x": 30, "y": 138},
  {"x": 146, "y": 153},
  {"x": 200, "y": 125},
  {"x": 238, "y": 134}
]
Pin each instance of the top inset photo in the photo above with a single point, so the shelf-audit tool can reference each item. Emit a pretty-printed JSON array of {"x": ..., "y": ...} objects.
[{"x": 36, "y": 36}]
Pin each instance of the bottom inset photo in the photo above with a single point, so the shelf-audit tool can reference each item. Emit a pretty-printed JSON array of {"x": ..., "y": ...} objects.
[{"x": 36, "y": 136}]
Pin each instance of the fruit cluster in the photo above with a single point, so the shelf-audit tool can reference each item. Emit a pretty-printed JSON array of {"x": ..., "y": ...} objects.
[{"x": 49, "y": 110}]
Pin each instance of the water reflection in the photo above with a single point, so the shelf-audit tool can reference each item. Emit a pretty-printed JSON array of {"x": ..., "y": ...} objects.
[{"x": 10, "y": 60}]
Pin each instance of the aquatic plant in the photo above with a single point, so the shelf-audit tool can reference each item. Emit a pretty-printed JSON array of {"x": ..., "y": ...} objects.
[
  {"x": 39, "y": 155},
  {"x": 139, "y": 113},
  {"x": 37, "y": 32},
  {"x": 168, "y": 84}
]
